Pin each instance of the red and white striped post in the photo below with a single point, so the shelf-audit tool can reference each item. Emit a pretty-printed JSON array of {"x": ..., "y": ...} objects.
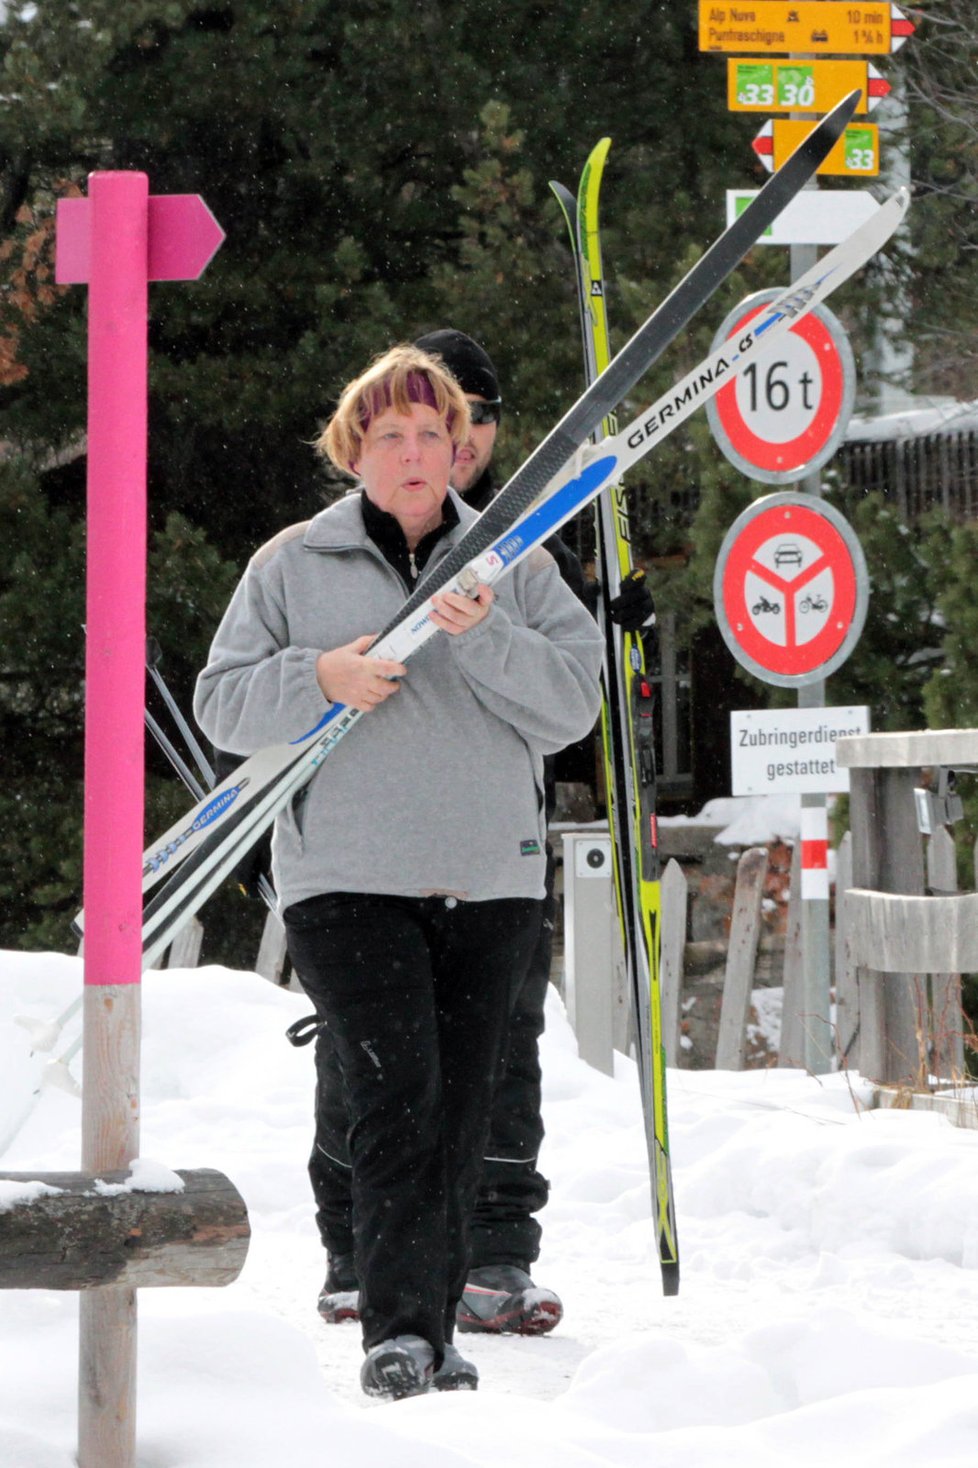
[
  {"x": 814, "y": 853},
  {"x": 116, "y": 241}
]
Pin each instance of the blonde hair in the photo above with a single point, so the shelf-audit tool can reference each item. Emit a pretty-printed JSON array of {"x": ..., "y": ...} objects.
[{"x": 395, "y": 379}]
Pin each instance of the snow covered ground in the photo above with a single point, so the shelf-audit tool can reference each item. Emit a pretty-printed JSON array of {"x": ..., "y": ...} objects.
[{"x": 828, "y": 1313}]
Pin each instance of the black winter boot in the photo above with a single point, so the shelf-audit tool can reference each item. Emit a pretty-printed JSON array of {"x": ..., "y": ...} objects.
[
  {"x": 503, "y": 1300},
  {"x": 339, "y": 1298}
]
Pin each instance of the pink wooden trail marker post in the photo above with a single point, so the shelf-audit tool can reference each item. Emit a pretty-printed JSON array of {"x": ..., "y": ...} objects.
[{"x": 116, "y": 241}]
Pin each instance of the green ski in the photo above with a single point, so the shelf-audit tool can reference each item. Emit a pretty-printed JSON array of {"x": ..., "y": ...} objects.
[{"x": 627, "y": 731}]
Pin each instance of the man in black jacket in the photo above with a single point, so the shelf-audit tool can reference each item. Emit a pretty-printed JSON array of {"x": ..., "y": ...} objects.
[{"x": 500, "y": 1296}]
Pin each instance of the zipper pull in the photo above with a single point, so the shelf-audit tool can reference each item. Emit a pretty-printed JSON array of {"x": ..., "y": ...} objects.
[{"x": 414, "y": 566}]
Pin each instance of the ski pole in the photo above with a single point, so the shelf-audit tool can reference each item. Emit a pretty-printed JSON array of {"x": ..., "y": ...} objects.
[
  {"x": 154, "y": 655},
  {"x": 186, "y": 774},
  {"x": 44, "y": 1033},
  {"x": 265, "y": 889}
]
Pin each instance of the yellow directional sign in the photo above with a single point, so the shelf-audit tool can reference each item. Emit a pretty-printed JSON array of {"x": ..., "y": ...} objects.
[
  {"x": 855, "y": 155},
  {"x": 759, "y": 84},
  {"x": 818, "y": 27}
]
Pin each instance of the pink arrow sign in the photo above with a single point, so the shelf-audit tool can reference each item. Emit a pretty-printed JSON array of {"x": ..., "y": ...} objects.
[
  {"x": 115, "y": 241},
  {"x": 183, "y": 238}
]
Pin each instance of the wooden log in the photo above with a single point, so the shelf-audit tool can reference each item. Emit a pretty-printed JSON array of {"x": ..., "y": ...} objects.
[
  {"x": 81, "y": 1238},
  {"x": 738, "y": 980},
  {"x": 674, "y": 901},
  {"x": 946, "y": 1015}
]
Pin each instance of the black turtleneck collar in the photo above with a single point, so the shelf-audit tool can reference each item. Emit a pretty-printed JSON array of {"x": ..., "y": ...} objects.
[
  {"x": 388, "y": 537},
  {"x": 478, "y": 495}
]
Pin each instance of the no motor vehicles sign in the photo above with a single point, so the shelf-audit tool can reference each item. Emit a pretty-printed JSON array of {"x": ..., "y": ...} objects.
[{"x": 790, "y": 589}]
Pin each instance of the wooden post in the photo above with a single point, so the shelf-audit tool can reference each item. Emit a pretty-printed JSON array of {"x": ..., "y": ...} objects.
[
  {"x": 887, "y": 856},
  {"x": 946, "y": 1018},
  {"x": 846, "y": 987},
  {"x": 272, "y": 950},
  {"x": 791, "y": 1050},
  {"x": 745, "y": 929},
  {"x": 674, "y": 901},
  {"x": 185, "y": 948}
]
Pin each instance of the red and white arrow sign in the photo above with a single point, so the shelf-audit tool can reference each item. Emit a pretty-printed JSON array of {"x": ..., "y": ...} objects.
[
  {"x": 763, "y": 145},
  {"x": 901, "y": 29},
  {"x": 877, "y": 87}
]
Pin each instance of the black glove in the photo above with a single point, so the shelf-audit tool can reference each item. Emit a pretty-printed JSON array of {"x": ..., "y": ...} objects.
[{"x": 633, "y": 607}]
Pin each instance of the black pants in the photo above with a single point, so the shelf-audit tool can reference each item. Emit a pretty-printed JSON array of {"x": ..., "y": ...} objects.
[
  {"x": 416, "y": 993},
  {"x": 502, "y": 1228}
]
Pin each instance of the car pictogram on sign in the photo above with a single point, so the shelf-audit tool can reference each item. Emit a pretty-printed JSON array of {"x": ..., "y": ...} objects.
[{"x": 787, "y": 554}]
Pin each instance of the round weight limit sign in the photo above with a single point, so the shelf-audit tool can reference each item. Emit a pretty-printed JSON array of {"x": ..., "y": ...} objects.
[
  {"x": 790, "y": 589},
  {"x": 785, "y": 415}
]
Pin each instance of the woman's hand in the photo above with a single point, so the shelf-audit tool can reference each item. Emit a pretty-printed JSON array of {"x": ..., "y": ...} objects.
[
  {"x": 346, "y": 676},
  {"x": 454, "y": 612}
]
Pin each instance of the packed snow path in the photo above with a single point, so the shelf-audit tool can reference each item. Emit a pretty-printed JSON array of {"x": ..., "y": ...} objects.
[{"x": 828, "y": 1311}]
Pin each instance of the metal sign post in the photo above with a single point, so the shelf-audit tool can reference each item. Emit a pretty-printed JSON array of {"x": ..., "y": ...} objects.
[
  {"x": 769, "y": 614},
  {"x": 790, "y": 592}
]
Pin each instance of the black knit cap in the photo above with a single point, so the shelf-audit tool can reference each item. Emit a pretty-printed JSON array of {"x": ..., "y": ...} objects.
[{"x": 465, "y": 359}]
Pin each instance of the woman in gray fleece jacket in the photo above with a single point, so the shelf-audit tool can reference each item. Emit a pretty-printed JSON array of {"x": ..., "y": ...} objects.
[{"x": 411, "y": 868}]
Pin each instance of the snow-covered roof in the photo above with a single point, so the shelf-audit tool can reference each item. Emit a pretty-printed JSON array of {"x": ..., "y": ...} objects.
[{"x": 919, "y": 418}]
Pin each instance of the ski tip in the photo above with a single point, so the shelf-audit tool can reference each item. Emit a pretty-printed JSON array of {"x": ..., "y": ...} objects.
[
  {"x": 902, "y": 199},
  {"x": 834, "y": 123},
  {"x": 599, "y": 152},
  {"x": 563, "y": 196},
  {"x": 670, "y": 1278}
]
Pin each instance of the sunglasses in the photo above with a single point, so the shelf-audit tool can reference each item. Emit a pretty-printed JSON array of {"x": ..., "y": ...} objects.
[{"x": 485, "y": 412}]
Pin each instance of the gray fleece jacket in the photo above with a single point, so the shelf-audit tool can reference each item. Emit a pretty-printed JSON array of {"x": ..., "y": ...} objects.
[{"x": 440, "y": 788}]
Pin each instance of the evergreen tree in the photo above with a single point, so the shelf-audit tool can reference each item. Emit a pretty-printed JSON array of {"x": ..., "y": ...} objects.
[
  {"x": 901, "y": 643},
  {"x": 367, "y": 194},
  {"x": 951, "y": 694},
  {"x": 380, "y": 169},
  {"x": 938, "y": 69}
]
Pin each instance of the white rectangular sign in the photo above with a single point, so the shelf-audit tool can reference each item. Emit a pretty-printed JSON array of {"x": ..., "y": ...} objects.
[
  {"x": 778, "y": 751},
  {"x": 814, "y": 216}
]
